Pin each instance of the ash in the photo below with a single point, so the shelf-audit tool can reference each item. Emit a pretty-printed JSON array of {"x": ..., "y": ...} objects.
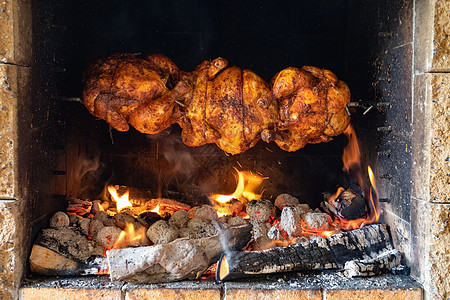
[{"x": 328, "y": 280}]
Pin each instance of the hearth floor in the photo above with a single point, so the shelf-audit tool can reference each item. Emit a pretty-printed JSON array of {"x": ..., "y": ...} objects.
[{"x": 282, "y": 286}]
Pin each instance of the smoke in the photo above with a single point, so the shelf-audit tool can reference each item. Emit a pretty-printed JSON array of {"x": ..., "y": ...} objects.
[
  {"x": 177, "y": 165},
  {"x": 86, "y": 176}
]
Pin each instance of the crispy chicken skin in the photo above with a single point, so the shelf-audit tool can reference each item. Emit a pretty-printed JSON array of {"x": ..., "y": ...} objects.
[
  {"x": 239, "y": 106},
  {"x": 192, "y": 117},
  {"x": 312, "y": 107},
  {"x": 114, "y": 87},
  {"x": 231, "y": 107}
]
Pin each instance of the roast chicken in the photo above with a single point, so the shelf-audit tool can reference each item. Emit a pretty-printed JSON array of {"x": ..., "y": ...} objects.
[
  {"x": 231, "y": 107},
  {"x": 116, "y": 86},
  {"x": 312, "y": 107}
]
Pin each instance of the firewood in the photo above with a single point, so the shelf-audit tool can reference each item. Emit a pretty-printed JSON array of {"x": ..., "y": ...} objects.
[
  {"x": 68, "y": 242},
  {"x": 371, "y": 267},
  {"x": 166, "y": 205},
  {"x": 78, "y": 206},
  {"x": 177, "y": 260},
  {"x": 319, "y": 253},
  {"x": 47, "y": 262}
]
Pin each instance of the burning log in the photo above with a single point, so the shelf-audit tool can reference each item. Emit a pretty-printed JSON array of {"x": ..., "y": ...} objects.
[
  {"x": 177, "y": 260},
  {"x": 317, "y": 254},
  {"x": 166, "y": 205}
]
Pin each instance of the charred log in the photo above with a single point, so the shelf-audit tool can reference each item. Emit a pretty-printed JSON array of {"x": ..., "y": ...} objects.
[
  {"x": 318, "y": 254},
  {"x": 177, "y": 260},
  {"x": 370, "y": 267}
]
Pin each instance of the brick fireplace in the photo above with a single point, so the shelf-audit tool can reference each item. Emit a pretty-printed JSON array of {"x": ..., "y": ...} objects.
[{"x": 395, "y": 60}]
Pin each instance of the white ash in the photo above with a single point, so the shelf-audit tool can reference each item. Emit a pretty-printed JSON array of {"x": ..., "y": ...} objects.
[
  {"x": 84, "y": 224},
  {"x": 224, "y": 220},
  {"x": 274, "y": 233},
  {"x": 316, "y": 221},
  {"x": 107, "y": 236},
  {"x": 94, "y": 227},
  {"x": 201, "y": 228},
  {"x": 104, "y": 218},
  {"x": 186, "y": 233},
  {"x": 179, "y": 219},
  {"x": 191, "y": 212},
  {"x": 260, "y": 210},
  {"x": 285, "y": 200},
  {"x": 206, "y": 212},
  {"x": 290, "y": 222},
  {"x": 259, "y": 231},
  {"x": 236, "y": 221},
  {"x": 162, "y": 233},
  {"x": 121, "y": 220},
  {"x": 59, "y": 220},
  {"x": 96, "y": 207},
  {"x": 235, "y": 206},
  {"x": 303, "y": 208}
]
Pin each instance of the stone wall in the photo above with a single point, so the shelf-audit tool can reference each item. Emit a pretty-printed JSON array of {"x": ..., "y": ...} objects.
[
  {"x": 431, "y": 149},
  {"x": 15, "y": 61}
]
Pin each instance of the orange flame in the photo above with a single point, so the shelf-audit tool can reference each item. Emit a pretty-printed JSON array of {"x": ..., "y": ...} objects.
[
  {"x": 246, "y": 188},
  {"x": 122, "y": 201},
  {"x": 130, "y": 237},
  {"x": 156, "y": 209},
  {"x": 352, "y": 165}
]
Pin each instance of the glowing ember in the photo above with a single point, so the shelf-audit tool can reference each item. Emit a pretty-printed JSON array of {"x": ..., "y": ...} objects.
[
  {"x": 122, "y": 201},
  {"x": 246, "y": 188}
]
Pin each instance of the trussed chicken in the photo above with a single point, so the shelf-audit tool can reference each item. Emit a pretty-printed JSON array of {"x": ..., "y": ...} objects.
[
  {"x": 231, "y": 107},
  {"x": 116, "y": 86},
  {"x": 312, "y": 106},
  {"x": 230, "y": 110}
]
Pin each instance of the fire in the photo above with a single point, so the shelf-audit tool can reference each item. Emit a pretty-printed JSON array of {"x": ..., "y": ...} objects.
[
  {"x": 352, "y": 165},
  {"x": 246, "y": 188},
  {"x": 122, "y": 201},
  {"x": 130, "y": 237},
  {"x": 156, "y": 209}
]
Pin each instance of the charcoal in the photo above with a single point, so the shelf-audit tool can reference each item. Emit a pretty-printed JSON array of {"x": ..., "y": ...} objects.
[{"x": 147, "y": 218}]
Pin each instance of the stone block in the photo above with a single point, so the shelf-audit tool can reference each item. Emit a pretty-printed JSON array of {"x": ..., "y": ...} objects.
[
  {"x": 14, "y": 96},
  {"x": 432, "y": 45},
  {"x": 69, "y": 294},
  {"x": 15, "y": 32},
  {"x": 440, "y": 138},
  {"x": 376, "y": 294},
  {"x": 262, "y": 294},
  {"x": 176, "y": 294},
  {"x": 13, "y": 249},
  {"x": 431, "y": 138},
  {"x": 175, "y": 290},
  {"x": 441, "y": 41},
  {"x": 431, "y": 237}
]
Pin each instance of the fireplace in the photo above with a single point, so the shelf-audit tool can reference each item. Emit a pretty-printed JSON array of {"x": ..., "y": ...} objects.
[{"x": 392, "y": 54}]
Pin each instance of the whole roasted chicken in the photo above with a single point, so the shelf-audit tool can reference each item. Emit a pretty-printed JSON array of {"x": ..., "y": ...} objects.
[
  {"x": 125, "y": 88},
  {"x": 312, "y": 107},
  {"x": 231, "y": 107}
]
